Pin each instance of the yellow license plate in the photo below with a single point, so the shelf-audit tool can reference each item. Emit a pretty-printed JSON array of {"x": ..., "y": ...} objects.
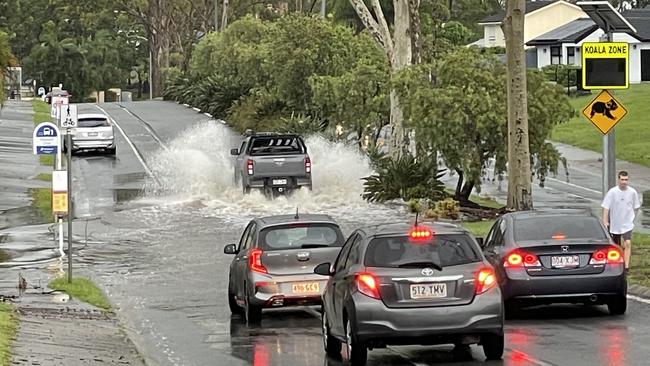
[{"x": 305, "y": 287}]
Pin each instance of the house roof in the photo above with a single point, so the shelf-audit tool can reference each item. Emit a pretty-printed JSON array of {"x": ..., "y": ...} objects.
[
  {"x": 531, "y": 6},
  {"x": 572, "y": 32},
  {"x": 578, "y": 29},
  {"x": 640, "y": 20}
]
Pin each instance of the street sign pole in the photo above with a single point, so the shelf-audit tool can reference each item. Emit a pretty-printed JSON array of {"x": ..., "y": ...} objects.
[
  {"x": 609, "y": 149},
  {"x": 69, "y": 153},
  {"x": 59, "y": 164}
]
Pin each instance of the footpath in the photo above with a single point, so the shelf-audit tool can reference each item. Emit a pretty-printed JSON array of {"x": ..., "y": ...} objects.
[{"x": 53, "y": 328}]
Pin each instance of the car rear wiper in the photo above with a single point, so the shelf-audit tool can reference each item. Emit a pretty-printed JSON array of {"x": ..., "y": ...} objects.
[
  {"x": 421, "y": 264},
  {"x": 304, "y": 246}
]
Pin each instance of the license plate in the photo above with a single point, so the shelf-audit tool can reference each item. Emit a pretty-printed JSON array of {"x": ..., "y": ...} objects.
[
  {"x": 565, "y": 261},
  {"x": 279, "y": 182},
  {"x": 304, "y": 288},
  {"x": 428, "y": 290},
  {"x": 92, "y": 133}
]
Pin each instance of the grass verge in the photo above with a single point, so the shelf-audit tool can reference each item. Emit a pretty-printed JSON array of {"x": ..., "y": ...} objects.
[
  {"x": 8, "y": 324},
  {"x": 82, "y": 289},
  {"x": 46, "y": 177},
  {"x": 42, "y": 202},
  {"x": 632, "y": 133}
]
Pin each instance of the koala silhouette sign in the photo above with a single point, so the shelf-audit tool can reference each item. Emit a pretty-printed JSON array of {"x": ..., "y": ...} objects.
[{"x": 604, "y": 108}]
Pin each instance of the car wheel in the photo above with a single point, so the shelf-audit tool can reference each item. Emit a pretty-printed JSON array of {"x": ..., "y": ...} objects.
[
  {"x": 232, "y": 303},
  {"x": 617, "y": 305},
  {"x": 246, "y": 189},
  {"x": 492, "y": 346},
  {"x": 253, "y": 313},
  {"x": 357, "y": 351},
  {"x": 332, "y": 345}
]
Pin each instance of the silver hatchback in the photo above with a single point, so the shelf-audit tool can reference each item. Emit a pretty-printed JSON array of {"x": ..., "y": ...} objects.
[
  {"x": 94, "y": 131},
  {"x": 395, "y": 284},
  {"x": 275, "y": 260}
]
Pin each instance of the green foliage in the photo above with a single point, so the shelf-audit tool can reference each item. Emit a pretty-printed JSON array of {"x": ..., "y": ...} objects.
[
  {"x": 564, "y": 75},
  {"x": 8, "y": 326},
  {"x": 42, "y": 202},
  {"x": 82, "y": 289},
  {"x": 6, "y": 60},
  {"x": 404, "y": 178},
  {"x": 458, "y": 108},
  {"x": 447, "y": 209},
  {"x": 278, "y": 75}
]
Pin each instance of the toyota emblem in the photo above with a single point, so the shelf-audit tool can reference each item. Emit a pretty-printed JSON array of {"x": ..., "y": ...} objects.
[
  {"x": 565, "y": 248},
  {"x": 427, "y": 272}
]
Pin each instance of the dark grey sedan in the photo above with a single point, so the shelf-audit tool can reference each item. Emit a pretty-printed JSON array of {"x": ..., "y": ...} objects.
[
  {"x": 275, "y": 259},
  {"x": 396, "y": 284},
  {"x": 559, "y": 256}
]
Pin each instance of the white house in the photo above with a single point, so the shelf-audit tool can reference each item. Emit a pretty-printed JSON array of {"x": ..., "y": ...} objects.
[
  {"x": 540, "y": 17},
  {"x": 561, "y": 46}
]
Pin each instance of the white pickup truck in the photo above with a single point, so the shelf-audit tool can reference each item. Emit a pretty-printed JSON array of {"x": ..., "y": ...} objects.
[{"x": 273, "y": 162}]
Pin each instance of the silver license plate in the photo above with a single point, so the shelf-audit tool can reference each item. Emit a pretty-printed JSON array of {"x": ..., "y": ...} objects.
[
  {"x": 279, "y": 182},
  {"x": 92, "y": 134},
  {"x": 428, "y": 290},
  {"x": 565, "y": 261}
]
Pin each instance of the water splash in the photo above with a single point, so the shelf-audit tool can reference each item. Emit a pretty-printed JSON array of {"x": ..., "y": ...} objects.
[{"x": 197, "y": 166}]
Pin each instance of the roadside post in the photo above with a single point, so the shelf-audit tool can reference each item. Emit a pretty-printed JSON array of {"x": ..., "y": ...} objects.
[
  {"x": 605, "y": 66},
  {"x": 47, "y": 141},
  {"x": 69, "y": 118}
]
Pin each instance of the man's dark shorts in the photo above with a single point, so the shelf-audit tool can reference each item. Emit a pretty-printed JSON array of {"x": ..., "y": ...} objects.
[{"x": 625, "y": 236}]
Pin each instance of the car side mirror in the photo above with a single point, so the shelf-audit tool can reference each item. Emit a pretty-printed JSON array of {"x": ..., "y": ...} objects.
[
  {"x": 481, "y": 242},
  {"x": 323, "y": 269},
  {"x": 230, "y": 249},
  {"x": 234, "y": 151}
]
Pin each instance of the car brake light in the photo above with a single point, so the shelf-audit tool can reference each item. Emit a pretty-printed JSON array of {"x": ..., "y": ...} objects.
[
  {"x": 249, "y": 166},
  {"x": 307, "y": 164},
  {"x": 420, "y": 233},
  {"x": 611, "y": 255},
  {"x": 485, "y": 280},
  {"x": 255, "y": 261},
  {"x": 521, "y": 259},
  {"x": 558, "y": 236},
  {"x": 367, "y": 285}
]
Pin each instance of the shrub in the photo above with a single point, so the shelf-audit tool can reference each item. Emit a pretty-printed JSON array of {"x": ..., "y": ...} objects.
[
  {"x": 405, "y": 178},
  {"x": 447, "y": 209}
]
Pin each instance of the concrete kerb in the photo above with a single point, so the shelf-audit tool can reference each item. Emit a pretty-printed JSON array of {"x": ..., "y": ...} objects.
[{"x": 205, "y": 113}]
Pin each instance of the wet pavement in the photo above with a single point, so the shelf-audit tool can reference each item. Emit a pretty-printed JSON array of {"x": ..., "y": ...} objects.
[{"x": 153, "y": 239}]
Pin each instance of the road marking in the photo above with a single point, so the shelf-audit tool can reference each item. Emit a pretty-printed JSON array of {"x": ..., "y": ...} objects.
[
  {"x": 147, "y": 127},
  {"x": 132, "y": 145},
  {"x": 526, "y": 357},
  {"x": 196, "y": 109},
  {"x": 639, "y": 299},
  {"x": 208, "y": 114},
  {"x": 574, "y": 185}
]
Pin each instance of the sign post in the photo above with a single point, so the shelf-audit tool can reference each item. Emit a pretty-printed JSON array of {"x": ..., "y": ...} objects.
[{"x": 605, "y": 66}]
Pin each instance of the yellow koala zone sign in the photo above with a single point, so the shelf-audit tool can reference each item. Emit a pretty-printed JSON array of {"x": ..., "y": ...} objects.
[{"x": 605, "y": 65}]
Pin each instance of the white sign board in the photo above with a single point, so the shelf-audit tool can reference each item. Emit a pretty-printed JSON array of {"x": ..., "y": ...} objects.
[
  {"x": 68, "y": 116},
  {"x": 56, "y": 102},
  {"x": 59, "y": 181},
  {"x": 46, "y": 138}
]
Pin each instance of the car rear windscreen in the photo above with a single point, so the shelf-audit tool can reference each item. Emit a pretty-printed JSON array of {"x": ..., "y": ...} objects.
[
  {"x": 273, "y": 145},
  {"x": 298, "y": 236},
  {"x": 558, "y": 227},
  {"x": 445, "y": 249},
  {"x": 93, "y": 122}
]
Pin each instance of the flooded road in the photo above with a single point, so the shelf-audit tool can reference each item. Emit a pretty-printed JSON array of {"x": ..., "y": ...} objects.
[{"x": 153, "y": 239}]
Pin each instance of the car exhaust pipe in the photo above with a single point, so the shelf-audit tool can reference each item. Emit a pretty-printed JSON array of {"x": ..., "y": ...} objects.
[{"x": 593, "y": 298}]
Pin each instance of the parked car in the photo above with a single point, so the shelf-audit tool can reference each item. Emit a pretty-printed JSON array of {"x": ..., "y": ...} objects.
[
  {"x": 273, "y": 162},
  {"x": 93, "y": 132},
  {"x": 395, "y": 284},
  {"x": 275, "y": 259},
  {"x": 558, "y": 256}
]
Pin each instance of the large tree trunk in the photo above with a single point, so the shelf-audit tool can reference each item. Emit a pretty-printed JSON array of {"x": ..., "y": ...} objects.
[
  {"x": 519, "y": 183},
  {"x": 224, "y": 19},
  {"x": 159, "y": 44}
]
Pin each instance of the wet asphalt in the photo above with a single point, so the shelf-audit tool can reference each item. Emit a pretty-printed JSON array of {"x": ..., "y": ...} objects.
[{"x": 160, "y": 260}]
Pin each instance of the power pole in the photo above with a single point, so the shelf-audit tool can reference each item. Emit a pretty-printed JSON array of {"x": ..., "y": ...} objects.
[
  {"x": 609, "y": 146},
  {"x": 323, "y": 9},
  {"x": 519, "y": 174}
]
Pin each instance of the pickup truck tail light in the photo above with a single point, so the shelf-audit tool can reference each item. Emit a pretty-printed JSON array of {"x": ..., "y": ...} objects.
[
  {"x": 307, "y": 165},
  {"x": 249, "y": 166}
]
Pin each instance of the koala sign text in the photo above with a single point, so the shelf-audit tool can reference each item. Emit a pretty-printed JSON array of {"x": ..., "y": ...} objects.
[
  {"x": 604, "y": 111},
  {"x": 605, "y": 65}
]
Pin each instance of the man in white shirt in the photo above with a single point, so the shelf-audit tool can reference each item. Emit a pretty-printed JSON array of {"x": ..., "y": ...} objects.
[{"x": 620, "y": 206}]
